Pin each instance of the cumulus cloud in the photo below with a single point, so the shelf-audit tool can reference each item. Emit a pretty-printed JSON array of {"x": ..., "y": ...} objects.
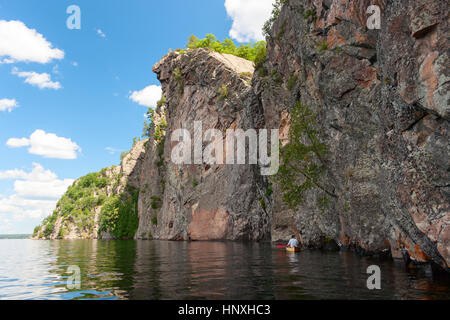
[
  {"x": 21, "y": 209},
  {"x": 19, "y": 43},
  {"x": 101, "y": 33},
  {"x": 37, "y": 174},
  {"x": 13, "y": 174},
  {"x": 6, "y": 226},
  {"x": 18, "y": 143},
  {"x": 148, "y": 96},
  {"x": 8, "y": 104},
  {"x": 248, "y": 18},
  {"x": 36, "y": 192},
  {"x": 40, "y": 80},
  {"x": 48, "y": 145},
  {"x": 42, "y": 189}
]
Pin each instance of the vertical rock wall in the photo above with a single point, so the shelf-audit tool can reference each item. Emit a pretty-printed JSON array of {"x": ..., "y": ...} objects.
[
  {"x": 204, "y": 202},
  {"x": 381, "y": 98}
]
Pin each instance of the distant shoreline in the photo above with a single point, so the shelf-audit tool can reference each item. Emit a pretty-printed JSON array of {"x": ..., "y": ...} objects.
[{"x": 14, "y": 236}]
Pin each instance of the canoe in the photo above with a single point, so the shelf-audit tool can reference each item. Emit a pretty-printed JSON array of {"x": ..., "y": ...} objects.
[{"x": 293, "y": 249}]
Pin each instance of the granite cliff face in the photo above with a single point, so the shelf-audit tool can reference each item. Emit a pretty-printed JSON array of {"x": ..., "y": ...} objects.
[
  {"x": 380, "y": 98},
  {"x": 203, "y": 202},
  {"x": 83, "y": 211}
]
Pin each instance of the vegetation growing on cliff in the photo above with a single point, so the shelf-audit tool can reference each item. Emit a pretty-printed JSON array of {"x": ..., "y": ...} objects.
[
  {"x": 250, "y": 51},
  {"x": 179, "y": 79},
  {"x": 119, "y": 215},
  {"x": 275, "y": 13},
  {"x": 150, "y": 123},
  {"x": 76, "y": 206},
  {"x": 292, "y": 81},
  {"x": 302, "y": 160},
  {"x": 310, "y": 13},
  {"x": 223, "y": 92}
]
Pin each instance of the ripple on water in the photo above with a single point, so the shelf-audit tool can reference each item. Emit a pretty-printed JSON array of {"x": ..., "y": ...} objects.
[{"x": 198, "y": 270}]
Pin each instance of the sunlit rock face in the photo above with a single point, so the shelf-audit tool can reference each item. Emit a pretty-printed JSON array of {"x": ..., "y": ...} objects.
[
  {"x": 381, "y": 102},
  {"x": 381, "y": 98},
  {"x": 203, "y": 201}
]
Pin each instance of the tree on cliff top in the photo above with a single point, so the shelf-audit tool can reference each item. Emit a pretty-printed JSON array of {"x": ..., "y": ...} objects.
[{"x": 250, "y": 51}]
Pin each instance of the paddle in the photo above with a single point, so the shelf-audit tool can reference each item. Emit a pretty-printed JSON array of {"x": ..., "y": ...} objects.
[{"x": 281, "y": 246}]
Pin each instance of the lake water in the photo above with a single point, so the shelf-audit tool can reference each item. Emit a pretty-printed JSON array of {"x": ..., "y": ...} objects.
[{"x": 200, "y": 270}]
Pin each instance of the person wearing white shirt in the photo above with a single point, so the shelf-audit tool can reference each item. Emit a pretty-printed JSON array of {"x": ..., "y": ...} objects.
[{"x": 293, "y": 243}]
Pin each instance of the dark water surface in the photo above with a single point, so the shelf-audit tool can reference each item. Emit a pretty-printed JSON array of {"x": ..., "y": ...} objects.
[{"x": 199, "y": 270}]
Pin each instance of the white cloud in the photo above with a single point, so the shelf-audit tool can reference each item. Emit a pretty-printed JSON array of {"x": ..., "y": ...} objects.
[
  {"x": 37, "y": 174},
  {"x": 36, "y": 193},
  {"x": 13, "y": 174},
  {"x": 41, "y": 80},
  {"x": 48, "y": 145},
  {"x": 8, "y": 104},
  {"x": 42, "y": 190},
  {"x": 20, "y": 208},
  {"x": 148, "y": 96},
  {"x": 100, "y": 33},
  {"x": 18, "y": 143},
  {"x": 74, "y": 64},
  {"x": 6, "y": 61},
  {"x": 19, "y": 43},
  {"x": 6, "y": 226},
  {"x": 248, "y": 17},
  {"x": 112, "y": 150}
]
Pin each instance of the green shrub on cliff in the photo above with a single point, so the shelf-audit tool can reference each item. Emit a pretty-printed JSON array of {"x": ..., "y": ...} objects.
[
  {"x": 119, "y": 215},
  {"x": 248, "y": 51},
  {"x": 309, "y": 13},
  {"x": 322, "y": 46},
  {"x": 161, "y": 101},
  {"x": 274, "y": 16},
  {"x": 302, "y": 160},
  {"x": 78, "y": 203},
  {"x": 36, "y": 230},
  {"x": 49, "y": 224},
  {"x": 223, "y": 92},
  {"x": 292, "y": 81},
  {"x": 156, "y": 203},
  {"x": 178, "y": 76},
  {"x": 88, "y": 203}
]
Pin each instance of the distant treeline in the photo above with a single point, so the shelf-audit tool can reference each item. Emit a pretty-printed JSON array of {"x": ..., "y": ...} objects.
[{"x": 15, "y": 236}]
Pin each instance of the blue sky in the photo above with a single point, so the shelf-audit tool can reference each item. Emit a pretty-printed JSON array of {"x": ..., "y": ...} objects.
[{"x": 67, "y": 106}]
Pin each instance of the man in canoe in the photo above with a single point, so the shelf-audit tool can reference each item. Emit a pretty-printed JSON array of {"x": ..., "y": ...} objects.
[{"x": 293, "y": 243}]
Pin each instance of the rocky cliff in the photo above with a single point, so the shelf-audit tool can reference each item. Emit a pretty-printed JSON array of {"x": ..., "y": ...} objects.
[
  {"x": 381, "y": 100},
  {"x": 100, "y": 205},
  {"x": 207, "y": 201},
  {"x": 380, "y": 103}
]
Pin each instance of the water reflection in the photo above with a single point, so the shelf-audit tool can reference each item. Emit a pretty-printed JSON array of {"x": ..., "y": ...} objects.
[{"x": 199, "y": 270}]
